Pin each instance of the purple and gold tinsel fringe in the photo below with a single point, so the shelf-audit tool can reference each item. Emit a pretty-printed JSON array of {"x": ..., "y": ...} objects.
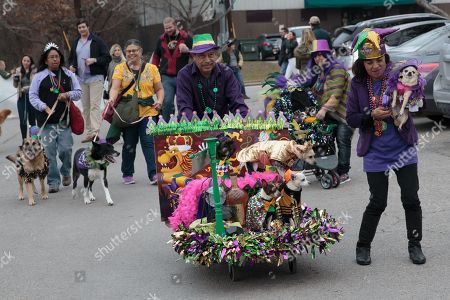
[{"x": 317, "y": 232}]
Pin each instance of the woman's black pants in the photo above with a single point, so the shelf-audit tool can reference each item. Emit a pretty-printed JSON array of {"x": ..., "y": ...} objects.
[
  {"x": 26, "y": 114},
  {"x": 378, "y": 185}
]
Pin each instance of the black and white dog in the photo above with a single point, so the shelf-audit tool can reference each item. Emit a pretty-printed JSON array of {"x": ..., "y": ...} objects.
[{"x": 91, "y": 163}]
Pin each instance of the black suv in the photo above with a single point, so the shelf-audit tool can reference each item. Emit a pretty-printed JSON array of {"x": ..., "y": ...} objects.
[
  {"x": 344, "y": 35},
  {"x": 268, "y": 45}
]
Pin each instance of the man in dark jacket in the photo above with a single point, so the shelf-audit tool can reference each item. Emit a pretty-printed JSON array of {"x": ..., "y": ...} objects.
[
  {"x": 319, "y": 33},
  {"x": 170, "y": 56},
  {"x": 89, "y": 59},
  {"x": 233, "y": 59},
  {"x": 282, "y": 56}
]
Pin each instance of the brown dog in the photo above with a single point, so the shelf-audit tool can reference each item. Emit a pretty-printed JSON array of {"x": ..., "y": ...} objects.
[
  {"x": 31, "y": 163},
  {"x": 280, "y": 154},
  {"x": 4, "y": 113}
]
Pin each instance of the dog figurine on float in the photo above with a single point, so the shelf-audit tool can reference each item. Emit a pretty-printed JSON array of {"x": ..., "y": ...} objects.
[{"x": 280, "y": 154}]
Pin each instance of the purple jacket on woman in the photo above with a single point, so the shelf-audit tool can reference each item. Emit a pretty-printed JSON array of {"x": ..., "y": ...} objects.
[{"x": 358, "y": 116}]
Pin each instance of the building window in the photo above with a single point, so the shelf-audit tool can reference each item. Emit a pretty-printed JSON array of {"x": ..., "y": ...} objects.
[{"x": 259, "y": 16}]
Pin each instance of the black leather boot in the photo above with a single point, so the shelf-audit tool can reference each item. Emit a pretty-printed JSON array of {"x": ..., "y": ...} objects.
[
  {"x": 414, "y": 231},
  {"x": 415, "y": 253},
  {"x": 363, "y": 256}
]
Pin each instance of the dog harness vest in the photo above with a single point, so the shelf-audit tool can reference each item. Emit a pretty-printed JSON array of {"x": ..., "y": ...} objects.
[
  {"x": 401, "y": 88},
  {"x": 29, "y": 177},
  {"x": 86, "y": 162}
]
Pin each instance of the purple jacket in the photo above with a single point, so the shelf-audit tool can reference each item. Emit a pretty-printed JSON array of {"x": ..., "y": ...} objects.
[
  {"x": 358, "y": 116},
  {"x": 228, "y": 96}
]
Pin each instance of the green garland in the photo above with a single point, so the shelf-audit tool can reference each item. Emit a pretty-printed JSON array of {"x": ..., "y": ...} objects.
[
  {"x": 216, "y": 123},
  {"x": 200, "y": 245}
]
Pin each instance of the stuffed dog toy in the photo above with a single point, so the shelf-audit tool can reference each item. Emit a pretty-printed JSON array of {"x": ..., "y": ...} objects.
[
  {"x": 31, "y": 163},
  {"x": 4, "y": 113},
  {"x": 406, "y": 87},
  {"x": 289, "y": 203},
  {"x": 280, "y": 154}
]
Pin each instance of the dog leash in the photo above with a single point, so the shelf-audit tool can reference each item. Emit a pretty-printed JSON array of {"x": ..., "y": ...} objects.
[{"x": 48, "y": 117}]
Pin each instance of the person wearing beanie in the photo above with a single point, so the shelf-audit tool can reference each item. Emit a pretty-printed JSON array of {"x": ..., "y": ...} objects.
[{"x": 319, "y": 33}]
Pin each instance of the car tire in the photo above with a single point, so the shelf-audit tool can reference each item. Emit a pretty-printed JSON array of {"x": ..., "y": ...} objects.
[{"x": 276, "y": 57}]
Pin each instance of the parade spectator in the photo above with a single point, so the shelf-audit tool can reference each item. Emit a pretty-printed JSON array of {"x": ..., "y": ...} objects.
[
  {"x": 55, "y": 85},
  {"x": 89, "y": 59},
  {"x": 3, "y": 72},
  {"x": 22, "y": 80},
  {"x": 291, "y": 44},
  {"x": 303, "y": 51},
  {"x": 319, "y": 33},
  {"x": 331, "y": 88},
  {"x": 382, "y": 144},
  {"x": 170, "y": 56},
  {"x": 117, "y": 57},
  {"x": 206, "y": 86},
  {"x": 233, "y": 59},
  {"x": 147, "y": 83},
  {"x": 282, "y": 61}
]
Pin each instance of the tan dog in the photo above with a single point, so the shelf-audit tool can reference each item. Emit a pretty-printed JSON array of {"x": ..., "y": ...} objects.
[
  {"x": 280, "y": 154},
  {"x": 4, "y": 113},
  {"x": 31, "y": 163}
]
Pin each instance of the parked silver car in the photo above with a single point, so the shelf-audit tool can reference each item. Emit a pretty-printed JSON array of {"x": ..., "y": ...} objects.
[
  {"x": 441, "y": 87},
  {"x": 426, "y": 49}
]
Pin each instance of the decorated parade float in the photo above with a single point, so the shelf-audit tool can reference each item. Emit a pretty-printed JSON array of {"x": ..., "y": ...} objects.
[{"x": 230, "y": 189}]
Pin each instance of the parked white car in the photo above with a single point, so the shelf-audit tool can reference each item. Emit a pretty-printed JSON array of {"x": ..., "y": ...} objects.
[{"x": 441, "y": 86}]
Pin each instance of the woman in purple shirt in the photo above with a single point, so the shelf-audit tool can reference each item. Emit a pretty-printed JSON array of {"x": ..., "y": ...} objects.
[{"x": 382, "y": 145}]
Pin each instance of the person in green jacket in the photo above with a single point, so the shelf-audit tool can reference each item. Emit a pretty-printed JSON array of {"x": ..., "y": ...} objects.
[
  {"x": 233, "y": 59},
  {"x": 319, "y": 33}
]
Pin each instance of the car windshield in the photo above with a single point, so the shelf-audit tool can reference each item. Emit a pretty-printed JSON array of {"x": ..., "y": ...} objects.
[
  {"x": 343, "y": 37},
  {"x": 424, "y": 42}
]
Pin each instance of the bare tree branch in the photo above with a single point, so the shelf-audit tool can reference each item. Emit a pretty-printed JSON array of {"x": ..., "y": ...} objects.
[{"x": 432, "y": 8}]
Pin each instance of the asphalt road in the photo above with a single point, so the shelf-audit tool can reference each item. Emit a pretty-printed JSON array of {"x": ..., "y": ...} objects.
[{"x": 57, "y": 249}]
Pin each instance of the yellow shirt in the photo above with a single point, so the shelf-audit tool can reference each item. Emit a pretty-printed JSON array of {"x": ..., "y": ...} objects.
[{"x": 149, "y": 77}]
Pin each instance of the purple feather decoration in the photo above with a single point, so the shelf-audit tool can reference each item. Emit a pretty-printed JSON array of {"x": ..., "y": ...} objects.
[
  {"x": 266, "y": 102},
  {"x": 281, "y": 81}
]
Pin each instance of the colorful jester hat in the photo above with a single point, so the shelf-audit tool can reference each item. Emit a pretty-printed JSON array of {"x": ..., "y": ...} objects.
[{"x": 369, "y": 42}]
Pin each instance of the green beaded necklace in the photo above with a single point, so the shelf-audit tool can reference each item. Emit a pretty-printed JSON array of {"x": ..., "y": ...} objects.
[{"x": 208, "y": 109}]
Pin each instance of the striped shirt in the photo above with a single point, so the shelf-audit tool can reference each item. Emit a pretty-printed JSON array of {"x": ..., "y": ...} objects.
[{"x": 336, "y": 84}]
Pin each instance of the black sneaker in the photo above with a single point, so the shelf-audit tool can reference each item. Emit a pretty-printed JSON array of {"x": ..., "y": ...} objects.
[
  {"x": 363, "y": 256},
  {"x": 416, "y": 254}
]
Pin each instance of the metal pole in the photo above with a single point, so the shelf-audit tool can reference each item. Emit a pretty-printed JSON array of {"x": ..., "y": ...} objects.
[{"x": 212, "y": 142}]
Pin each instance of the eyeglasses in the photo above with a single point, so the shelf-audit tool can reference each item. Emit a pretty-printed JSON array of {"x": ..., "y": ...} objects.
[{"x": 132, "y": 50}]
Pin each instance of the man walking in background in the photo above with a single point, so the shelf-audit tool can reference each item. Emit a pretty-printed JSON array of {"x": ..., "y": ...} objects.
[
  {"x": 233, "y": 59},
  {"x": 319, "y": 33},
  {"x": 89, "y": 59},
  {"x": 170, "y": 56},
  {"x": 282, "y": 56}
]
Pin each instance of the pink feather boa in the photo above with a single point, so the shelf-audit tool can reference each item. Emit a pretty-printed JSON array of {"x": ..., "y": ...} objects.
[{"x": 186, "y": 212}]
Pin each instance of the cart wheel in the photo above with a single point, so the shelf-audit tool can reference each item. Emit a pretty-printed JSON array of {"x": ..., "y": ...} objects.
[
  {"x": 336, "y": 180},
  {"x": 232, "y": 272},
  {"x": 326, "y": 181},
  {"x": 292, "y": 261}
]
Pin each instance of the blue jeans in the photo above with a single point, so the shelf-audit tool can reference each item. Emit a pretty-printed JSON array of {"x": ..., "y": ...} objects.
[
  {"x": 284, "y": 65},
  {"x": 344, "y": 141},
  {"x": 26, "y": 114},
  {"x": 131, "y": 136},
  {"x": 57, "y": 139},
  {"x": 170, "y": 89},
  {"x": 238, "y": 75}
]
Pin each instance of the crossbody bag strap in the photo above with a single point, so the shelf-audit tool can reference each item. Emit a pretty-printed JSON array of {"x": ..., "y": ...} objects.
[{"x": 133, "y": 81}]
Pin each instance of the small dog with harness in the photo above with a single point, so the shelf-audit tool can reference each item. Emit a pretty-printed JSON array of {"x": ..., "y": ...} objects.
[{"x": 91, "y": 162}]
